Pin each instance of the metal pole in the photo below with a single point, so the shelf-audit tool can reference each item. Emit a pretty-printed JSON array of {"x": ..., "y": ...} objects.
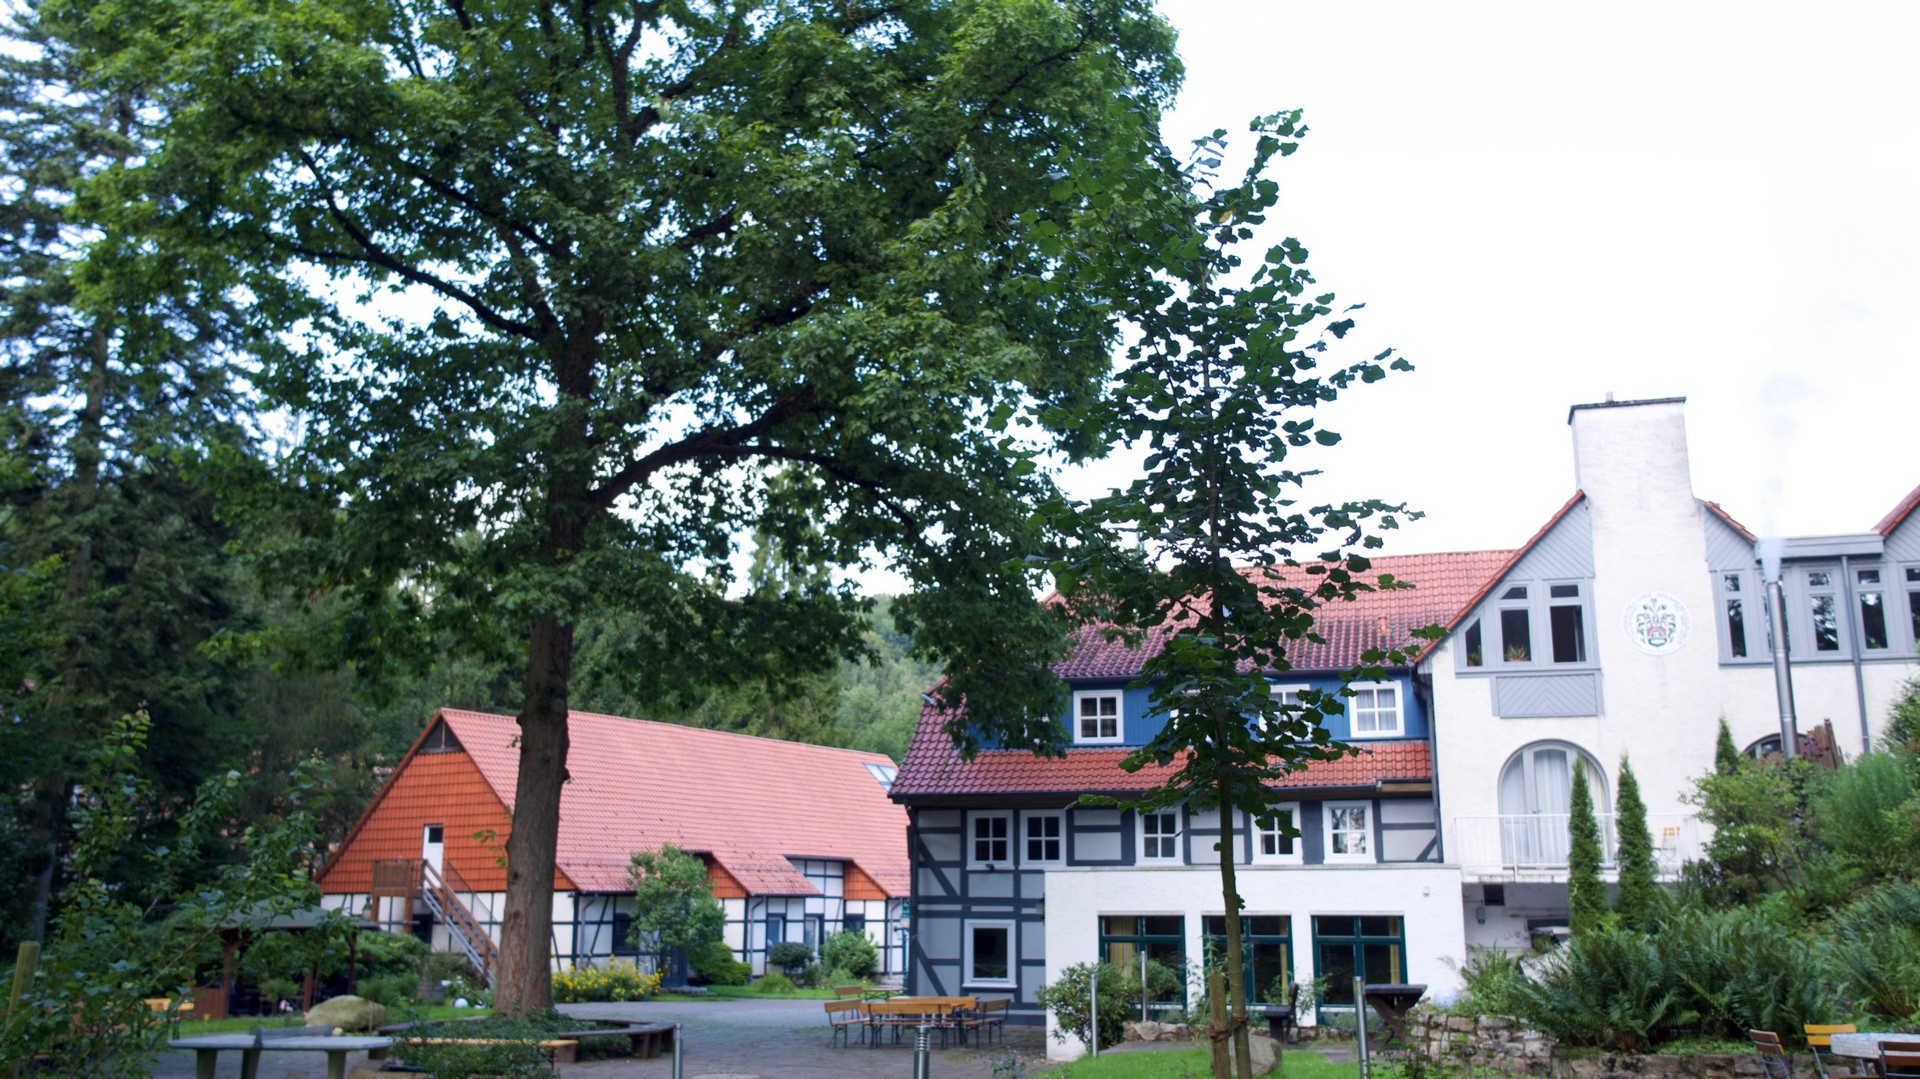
[
  {"x": 922, "y": 1052},
  {"x": 679, "y": 1062},
  {"x": 1093, "y": 1009},
  {"x": 1782, "y": 669},
  {"x": 1360, "y": 1023},
  {"x": 1144, "y": 994}
]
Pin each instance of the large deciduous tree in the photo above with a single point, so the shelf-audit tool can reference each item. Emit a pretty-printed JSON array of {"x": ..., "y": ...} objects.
[
  {"x": 1209, "y": 549},
  {"x": 600, "y": 272}
]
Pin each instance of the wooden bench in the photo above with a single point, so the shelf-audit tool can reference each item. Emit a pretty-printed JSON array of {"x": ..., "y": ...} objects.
[{"x": 647, "y": 1040}]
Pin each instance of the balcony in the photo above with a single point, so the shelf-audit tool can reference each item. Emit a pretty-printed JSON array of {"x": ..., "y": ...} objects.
[{"x": 1533, "y": 847}]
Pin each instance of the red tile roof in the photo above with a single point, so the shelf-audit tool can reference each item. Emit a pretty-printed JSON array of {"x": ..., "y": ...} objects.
[
  {"x": 1443, "y": 585},
  {"x": 748, "y": 802},
  {"x": 1898, "y": 513},
  {"x": 1714, "y": 507}
]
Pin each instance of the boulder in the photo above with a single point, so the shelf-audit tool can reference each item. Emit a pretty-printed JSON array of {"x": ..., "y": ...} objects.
[
  {"x": 1145, "y": 1031},
  {"x": 1266, "y": 1055},
  {"x": 351, "y": 1014}
]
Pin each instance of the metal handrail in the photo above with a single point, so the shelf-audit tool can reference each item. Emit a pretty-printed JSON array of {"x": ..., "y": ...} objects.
[{"x": 466, "y": 932}]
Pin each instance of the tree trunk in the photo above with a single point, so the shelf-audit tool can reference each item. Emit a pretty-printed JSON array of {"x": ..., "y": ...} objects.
[
  {"x": 523, "y": 985},
  {"x": 1236, "y": 951},
  {"x": 1221, "y": 1057}
]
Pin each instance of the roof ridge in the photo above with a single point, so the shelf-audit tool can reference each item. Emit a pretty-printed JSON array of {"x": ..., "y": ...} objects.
[{"x": 572, "y": 713}]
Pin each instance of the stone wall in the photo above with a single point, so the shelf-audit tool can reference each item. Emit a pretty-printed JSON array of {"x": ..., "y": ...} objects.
[{"x": 1490, "y": 1044}]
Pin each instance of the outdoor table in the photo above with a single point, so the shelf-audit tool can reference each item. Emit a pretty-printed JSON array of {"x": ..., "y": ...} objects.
[
  {"x": 206, "y": 1049},
  {"x": 1867, "y": 1046},
  {"x": 1393, "y": 1001}
]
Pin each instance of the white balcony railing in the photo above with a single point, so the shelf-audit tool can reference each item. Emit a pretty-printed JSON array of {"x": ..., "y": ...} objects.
[{"x": 1535, "y": 844}]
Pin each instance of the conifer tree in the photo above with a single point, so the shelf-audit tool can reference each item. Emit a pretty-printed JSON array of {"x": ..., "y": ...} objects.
[
  {"x": 1726, "y": 757},
  {"x": 1639, "y": 896},
  {"x": 1586, "y": 894}
]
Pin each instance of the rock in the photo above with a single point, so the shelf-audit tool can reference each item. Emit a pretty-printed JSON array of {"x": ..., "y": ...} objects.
[
  {"x": 347, "y": 1013},
  {"x": 1266, "y": 1055},
  {"x": 1144, "y": 1031}
]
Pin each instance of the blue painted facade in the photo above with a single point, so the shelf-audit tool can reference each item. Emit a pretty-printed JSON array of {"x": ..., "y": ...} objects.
[{"x": 1138, "y": 726}]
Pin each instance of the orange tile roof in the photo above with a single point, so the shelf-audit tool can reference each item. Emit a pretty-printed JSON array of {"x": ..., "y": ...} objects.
[{"x": 750, "y": 803}]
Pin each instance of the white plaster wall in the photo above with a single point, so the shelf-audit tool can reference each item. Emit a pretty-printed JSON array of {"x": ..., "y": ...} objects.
[{"x": 1426, "y": 897}]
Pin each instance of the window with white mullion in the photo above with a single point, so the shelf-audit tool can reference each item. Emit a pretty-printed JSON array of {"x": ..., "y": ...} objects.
[
  {"x": 1869, "y": 599},
  {"x": 1912, "y": 575},
  {"x": 1275, "y": 838},
  {"x": 1820, "y": 613},
  {"x": 1098, "y": 717},
  {"x": 1160, "y": 835},
  {"x": 1349, "y": 827},
  {"x": 1043, "y": 838},
  {"x": 1374, "y": 710},
  {"x": 990, "y": 841}
]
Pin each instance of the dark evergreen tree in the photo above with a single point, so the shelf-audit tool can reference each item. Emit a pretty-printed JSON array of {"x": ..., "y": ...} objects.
[
  {"x": 1639, "y": 898},
  {"x": 1586, "y": 892},
  {"x": 1726, "y": 756}
]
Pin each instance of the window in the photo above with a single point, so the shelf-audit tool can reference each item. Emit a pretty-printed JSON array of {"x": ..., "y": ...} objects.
[
  {"x": 623, "y": 942},
  {"x": 853, "y": 923},
  {"x": 1873, "y": 610},
  {"x": 1536, "y": 791},
  {"x": 1096, "y": 717},
  {"x": 1567, "y": 623},
  {"x": 1349, "y": 832},
  {"x": 992, "y": 840},
  {"x": 1376, "y": 711},
  {"x": 1272, "y": 842},
  {"x": 1160, "y": 836},
  {"x": 1266, "y": 942},
  {"x": 1371, "y": 946},
  {"x": 1516, "y": 635},
  {"x": 1043, "y": 838},
  {"x": 989, "y": 958},
  {"x": 1913, "y": 602},
  {"x": 1823, "y": 608},
  {"x": 776, "y": 929},
  {"x": 1124, "y": 937},
  {"x": 1736, "y": 624},
  {"x": 1476, "y": 655}
]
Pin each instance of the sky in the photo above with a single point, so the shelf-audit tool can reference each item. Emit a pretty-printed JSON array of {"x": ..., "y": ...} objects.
[{"x": 1542, "y": 204}]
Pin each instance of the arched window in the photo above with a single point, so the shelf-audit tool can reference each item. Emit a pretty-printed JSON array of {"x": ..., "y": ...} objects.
[{"x": 1536, "y": 789}]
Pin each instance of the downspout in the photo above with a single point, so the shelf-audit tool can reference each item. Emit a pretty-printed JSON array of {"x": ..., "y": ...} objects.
[
  {"x": 1859, "y": 643},
  {"x": 1769, "y": 552},
  {"x": 1423, "y": 692}
]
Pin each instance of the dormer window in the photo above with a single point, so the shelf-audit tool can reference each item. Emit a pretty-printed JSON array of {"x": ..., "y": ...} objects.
[
  {"x": 1096, "y": 717},
  {"x": 1566, "y": 620},
  {"x": 1376, "y": 711}
]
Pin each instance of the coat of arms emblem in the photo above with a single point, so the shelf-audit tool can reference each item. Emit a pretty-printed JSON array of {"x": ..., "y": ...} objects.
[{"x": 1657, "y": 623}]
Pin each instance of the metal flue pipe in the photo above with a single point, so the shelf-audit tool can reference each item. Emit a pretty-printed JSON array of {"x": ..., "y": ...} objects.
[{"x": 1769, "y": 551}]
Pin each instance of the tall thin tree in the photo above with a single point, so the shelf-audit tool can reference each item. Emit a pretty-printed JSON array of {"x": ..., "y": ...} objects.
[
  {"x": 1586, "y": 892},
  {"x": 1639, "y": 896}
]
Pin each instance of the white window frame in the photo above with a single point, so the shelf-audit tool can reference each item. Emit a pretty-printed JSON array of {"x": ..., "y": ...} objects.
[
  {"x": 1354, "y": 733},
  {"x": 1280, "y": 690},
  {"x": 967, "y": 979},
  {"x": 1255, "y": 832},
  {"x": 973, "y": 859},
  {"x": 1140, "y": 832},
  {"x": 1119, "y": 717},
  {"x": 1326, "y": 822},
  {"x": 1043, "y": 814},
  {"x": 1907, "y": 588}
]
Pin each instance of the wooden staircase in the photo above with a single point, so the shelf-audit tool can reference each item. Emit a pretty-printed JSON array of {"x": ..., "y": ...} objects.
[{"x": 439, "y": 889}]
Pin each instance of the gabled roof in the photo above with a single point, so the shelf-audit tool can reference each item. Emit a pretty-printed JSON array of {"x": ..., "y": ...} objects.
[
  {"x": 1898, "y": 513},
  {"x": 1451, "y": 621},
  {"x": 1378, "y": 619},
  {"x": 749, "y": 803},
  {"x": 1745, "y": 533}
]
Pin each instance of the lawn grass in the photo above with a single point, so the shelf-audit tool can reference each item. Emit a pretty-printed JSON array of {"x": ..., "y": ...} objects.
[
  {"x": 748, "y": 992},
  {"x": 242, "y": 1024},
  {"x": 1192, "y": 1064}
]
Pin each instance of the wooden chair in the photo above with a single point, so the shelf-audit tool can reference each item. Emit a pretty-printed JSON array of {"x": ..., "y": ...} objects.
[
  {"x": 849, "y": 992},
  {"x": 1900, "y": 1060},
  {"x": 991, "y": 1014},
  {"x": 1773, "y": 1055},
  {"x": 1820, "y": 1040},
  {"x": 891, "y": 1015},
  {"x": 846, "y": 1016}
]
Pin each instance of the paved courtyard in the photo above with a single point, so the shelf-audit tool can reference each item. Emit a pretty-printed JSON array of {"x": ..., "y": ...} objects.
[{"x": 737, "y": 1039}]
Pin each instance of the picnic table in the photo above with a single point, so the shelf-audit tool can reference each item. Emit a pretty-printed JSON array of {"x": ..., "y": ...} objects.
[
  {"x": 1867, "y": 1046},
  {"x": 207, "y": 1047}
]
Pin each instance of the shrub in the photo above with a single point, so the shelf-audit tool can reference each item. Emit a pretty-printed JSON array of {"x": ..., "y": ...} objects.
[
  {"x": 619, "y": 980},
  {"x": 1639, "y": 896},
  {"x": 1066, "y": 999},
  {"x": 1586, "y": 895},
  {"x": 1855, "y": 810},
  {"x": 790, "y": 956},
  {"x": 851, "y": 952},
  {"x": 1491, "y": 978},
  {"x": 514, "y": 1054},
  {"x": 1876, "y": 951},
  {"x": 1742, "y": 969},
  {"x": 773, "y": 983},
  {"x": 392, "y": 990},
  {"x": 714, "y": 964},
  {"x": 1604, "y": 987}
]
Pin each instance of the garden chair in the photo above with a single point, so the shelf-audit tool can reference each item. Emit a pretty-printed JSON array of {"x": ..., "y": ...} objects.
[
  {"x": 989, "y": 1015},
  {"x": 845, "y": 1016},
  {"x": 1820, "y": 1040},
  {"x": 846, "y": 992},
  {"x": 1899, "y": 1060},
  {"x": 1773, "y": 1055}
]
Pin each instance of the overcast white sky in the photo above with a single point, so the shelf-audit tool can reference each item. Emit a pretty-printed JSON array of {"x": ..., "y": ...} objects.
[{"x": 1543, "y": 203}]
